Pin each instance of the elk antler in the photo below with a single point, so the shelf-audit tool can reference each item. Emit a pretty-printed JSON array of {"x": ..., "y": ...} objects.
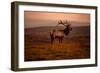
[
  {"x": 67, "y": 22},
  {"x": 61, "y": 22}
]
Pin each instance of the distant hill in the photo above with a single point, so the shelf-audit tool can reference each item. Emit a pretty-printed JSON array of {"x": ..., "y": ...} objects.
[{"x": 83, "y": 30}]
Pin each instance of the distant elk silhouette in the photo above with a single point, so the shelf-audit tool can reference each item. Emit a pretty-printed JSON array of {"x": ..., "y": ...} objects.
[{"x": 59, "y": 34}]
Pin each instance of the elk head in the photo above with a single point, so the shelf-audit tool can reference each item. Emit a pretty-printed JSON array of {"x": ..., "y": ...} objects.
[{"x": 67, "y": 25}]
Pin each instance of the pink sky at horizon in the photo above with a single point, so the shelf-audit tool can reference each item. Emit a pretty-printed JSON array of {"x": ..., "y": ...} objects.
[{"x": 35, "y": 19}]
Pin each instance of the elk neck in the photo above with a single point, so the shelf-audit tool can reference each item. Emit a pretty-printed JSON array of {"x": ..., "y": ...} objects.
[{"x": 66, "y": 31}]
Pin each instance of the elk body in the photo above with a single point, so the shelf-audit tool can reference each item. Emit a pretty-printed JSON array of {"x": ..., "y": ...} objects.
[{"x": 59, "y": 34}]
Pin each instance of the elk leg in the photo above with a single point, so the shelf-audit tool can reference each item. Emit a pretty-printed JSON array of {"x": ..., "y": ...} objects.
[
  {"x": 51, "y": 41},
  {"x": 61, "y": 40}
]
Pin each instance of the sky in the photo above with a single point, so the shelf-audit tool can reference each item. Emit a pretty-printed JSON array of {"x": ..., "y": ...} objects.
[{"x": 37, "y": 19}]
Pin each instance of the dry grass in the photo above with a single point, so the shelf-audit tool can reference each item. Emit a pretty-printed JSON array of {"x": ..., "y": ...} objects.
[
  {"x": 57, "y": 51},
  {"x": 75, "y": 46}
]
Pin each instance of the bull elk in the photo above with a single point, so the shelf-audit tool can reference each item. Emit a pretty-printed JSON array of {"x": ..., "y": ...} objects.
[{"x": 60, "y": 34}]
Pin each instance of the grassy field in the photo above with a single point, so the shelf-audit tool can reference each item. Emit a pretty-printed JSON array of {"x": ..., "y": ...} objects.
[{"x": 75, "y": 46}]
